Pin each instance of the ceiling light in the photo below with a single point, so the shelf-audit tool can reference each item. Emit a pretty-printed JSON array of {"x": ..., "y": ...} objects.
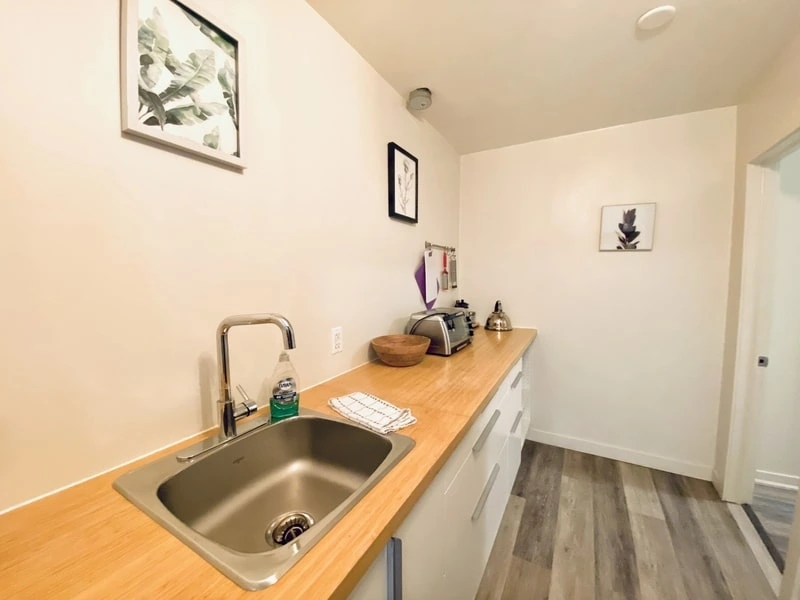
[{"x": 656, "y": 18}]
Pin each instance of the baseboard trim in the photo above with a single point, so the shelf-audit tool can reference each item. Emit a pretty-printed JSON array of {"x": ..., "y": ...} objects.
[
  {"x": 635, "y": 457},
  {"x": 778, "y": 480}
]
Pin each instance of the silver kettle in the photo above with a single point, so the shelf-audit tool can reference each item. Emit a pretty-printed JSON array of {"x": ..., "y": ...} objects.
[{"x": 498, "y": 320}]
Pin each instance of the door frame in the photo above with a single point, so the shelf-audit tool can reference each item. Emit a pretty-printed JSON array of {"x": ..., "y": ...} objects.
[
  {"x": 761, "y": 180},
  {"x": 761, "y": 188}
]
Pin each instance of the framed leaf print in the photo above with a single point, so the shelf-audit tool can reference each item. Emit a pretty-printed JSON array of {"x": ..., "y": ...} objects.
[
  {"x": 627, "y": 227},
  {"x": 180, "y": 79},
  {"x": 403, "y": 184}
]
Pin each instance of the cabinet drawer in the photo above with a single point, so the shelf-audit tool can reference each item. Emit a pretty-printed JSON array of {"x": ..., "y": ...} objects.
[
  {"x": 463, "y": 549},
  {"x": 515, "y": 389},
  {"x": 373, "y": 586},
  {"x": 514, "y": 458},
  {"x": 483, "y": 424},
  {"x": 483, "y": 452},
  {"x": 513, "y": 379},
  {"x": 487, "y": 522},
  {"x": 501, "y": 424},
  {"x": 518, "y": 431},
  {"x": 474, "y": 507},
  {"x": 476, "y": 470}
]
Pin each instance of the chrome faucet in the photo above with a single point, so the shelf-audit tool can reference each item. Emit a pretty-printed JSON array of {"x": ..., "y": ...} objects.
[{"x": 229, "y": 413}]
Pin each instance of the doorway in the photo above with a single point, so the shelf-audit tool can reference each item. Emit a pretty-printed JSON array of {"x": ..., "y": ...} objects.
[
  {"x": 763, "y": 466},
  {"x": 777, "y": 446}
]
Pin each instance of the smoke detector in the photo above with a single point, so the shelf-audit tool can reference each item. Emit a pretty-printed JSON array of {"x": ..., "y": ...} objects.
[
  {"x": 420, "y": 99},
  {"x": 659, "y": 17}
]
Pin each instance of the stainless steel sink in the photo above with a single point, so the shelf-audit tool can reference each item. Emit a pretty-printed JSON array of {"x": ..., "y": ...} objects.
[{"x": 253, "y": 506}]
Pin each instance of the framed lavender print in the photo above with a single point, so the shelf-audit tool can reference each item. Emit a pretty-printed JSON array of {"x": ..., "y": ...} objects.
[
  {"x": 627, "y": 227},
  {"x": 403, "y": 184},
  {"x": 180, "y": 79}
]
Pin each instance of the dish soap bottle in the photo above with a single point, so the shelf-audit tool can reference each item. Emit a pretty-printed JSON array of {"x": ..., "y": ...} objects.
[{"x": 285, "y": 400}]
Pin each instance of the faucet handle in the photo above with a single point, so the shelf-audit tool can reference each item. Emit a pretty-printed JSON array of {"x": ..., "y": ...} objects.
[
  {"x": 246, "y": 408},
  {"x": 247, "y": 399}
]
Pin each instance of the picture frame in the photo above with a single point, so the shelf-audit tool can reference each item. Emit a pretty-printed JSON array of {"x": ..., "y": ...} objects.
[
  {"x": 403, "y": 170},
  {"x": 180, "y": 79},
  {"x": 627, "y": 227}
]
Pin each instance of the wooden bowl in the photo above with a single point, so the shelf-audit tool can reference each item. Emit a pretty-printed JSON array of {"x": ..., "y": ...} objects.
[{"x": 401, "y": 350}]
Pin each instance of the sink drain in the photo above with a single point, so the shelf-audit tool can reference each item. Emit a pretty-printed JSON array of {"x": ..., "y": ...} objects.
[{"x": 288, "y": 527}]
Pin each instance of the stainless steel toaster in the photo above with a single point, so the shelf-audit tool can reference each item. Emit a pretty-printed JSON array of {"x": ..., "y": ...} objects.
[{"x": 447, "y": 328}]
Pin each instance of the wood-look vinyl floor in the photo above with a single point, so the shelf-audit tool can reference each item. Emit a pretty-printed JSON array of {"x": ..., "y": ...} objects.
[
  {"x": 580, "y": 527},
  {"x": 774, "y": 508}
]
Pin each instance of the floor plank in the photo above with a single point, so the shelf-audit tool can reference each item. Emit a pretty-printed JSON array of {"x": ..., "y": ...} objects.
[
  {"x": 699, "y": 568},
  {"x": 529, "y": 450},
  {"x": 659, "y": 572},
  {"x": 659, "y": 575},
  {"x": 573, "y": 557},
  {"x": 745, "y": 578},
  {"x": 526, "y": 581},
  {"x": 616, "y": 574},
  {"x": 496, "y": 573},
  {"x": 540, "y": 486},
  {"x": 640, "y": 492}
]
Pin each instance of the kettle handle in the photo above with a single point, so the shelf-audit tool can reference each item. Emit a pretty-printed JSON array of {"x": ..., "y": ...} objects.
[{"x": 498, "y": 306}]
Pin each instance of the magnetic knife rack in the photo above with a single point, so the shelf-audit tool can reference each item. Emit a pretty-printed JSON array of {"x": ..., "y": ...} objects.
[{"x": 448, "y": 249}]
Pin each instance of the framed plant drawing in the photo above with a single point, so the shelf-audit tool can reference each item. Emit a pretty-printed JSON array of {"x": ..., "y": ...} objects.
[
  {"x": 627, "y": 227},
  {"x": 180, "y": 79},
  {"x": 403, "y": 184}
]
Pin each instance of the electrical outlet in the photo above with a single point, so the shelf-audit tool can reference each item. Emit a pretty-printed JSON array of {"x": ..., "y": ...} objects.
[{"x": 336, "y": 340}]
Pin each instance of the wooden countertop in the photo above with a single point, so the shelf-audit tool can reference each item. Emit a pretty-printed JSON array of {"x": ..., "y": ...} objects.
[{"x": 89, "y": 542}]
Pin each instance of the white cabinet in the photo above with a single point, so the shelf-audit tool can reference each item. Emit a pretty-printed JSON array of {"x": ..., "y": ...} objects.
[
  {"x": 527, "y": 390},
  {"x": 474, "y": 507},
  {"x": 375, "y": 583},
  {"x": 477, "y": 496},
  {"x": 423, "y": 546},
  {"x": 447, "y": 537},
  {"x": 487, "y": 522},
  {"x": 462, "y": 558},
  {"x": 519, "y": 427}
]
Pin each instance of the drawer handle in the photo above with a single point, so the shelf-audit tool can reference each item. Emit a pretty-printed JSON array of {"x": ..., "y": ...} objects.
[
  {"x": 516, "y": 380},
  {"x": 486, "y": 431},
  {"x": 394, "y": 559},
  {"x": 516, "y": 422},
  {"x": 476, "y": 514}
]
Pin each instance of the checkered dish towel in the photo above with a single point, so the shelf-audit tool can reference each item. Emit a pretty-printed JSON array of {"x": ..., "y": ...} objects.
[{"x": 372, "y": 412}]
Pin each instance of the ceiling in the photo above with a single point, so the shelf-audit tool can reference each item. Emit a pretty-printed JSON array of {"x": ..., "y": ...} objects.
[{"x": 509, "y": 71}]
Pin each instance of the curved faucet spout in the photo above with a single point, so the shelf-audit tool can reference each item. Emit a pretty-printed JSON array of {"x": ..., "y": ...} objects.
[
  {"x": 227, "y": 412},
  {"x": 259, "y": 319}
]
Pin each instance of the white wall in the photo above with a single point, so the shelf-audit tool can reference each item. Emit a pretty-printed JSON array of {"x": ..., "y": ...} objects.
[
  {"x": 779, "y": 453},
  {"x": 769, "y": 113},
  {"x": 628, "y": 357},
  {"x": 119, "y": 259}
]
